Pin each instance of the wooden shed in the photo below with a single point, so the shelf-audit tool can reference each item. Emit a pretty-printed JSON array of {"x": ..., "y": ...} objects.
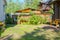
[
  {"x": 56, "y": 9},
  {"x": 56, "y": 6},
  {"x": 56, "y": 15}
]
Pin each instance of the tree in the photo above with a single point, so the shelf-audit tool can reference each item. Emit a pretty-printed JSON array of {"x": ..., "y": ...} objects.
[
  {"x": 31, "y": 3},
  {"x": 28, "y": 3},
  {"x": 11, "y": 7},
  {"x": 35, "y": 3},
  {"x": 14, "y": 6}
]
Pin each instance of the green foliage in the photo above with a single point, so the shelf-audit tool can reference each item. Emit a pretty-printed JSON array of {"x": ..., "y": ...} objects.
[
  {"x": 11, "y": 7},
  {"x": 51, "y": 11},
  {"x": 32, "y": 13},
  {"x": 34, "y": 19},
  {"x": 31, "y": 3},
  {"x": 35, "y": 4},
  {"x": 8, "y": 20},
  {"x": 37, "y": 20}
]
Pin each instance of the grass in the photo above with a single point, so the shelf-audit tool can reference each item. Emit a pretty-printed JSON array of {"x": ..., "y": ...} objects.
[{"x": 29, "y": 32}]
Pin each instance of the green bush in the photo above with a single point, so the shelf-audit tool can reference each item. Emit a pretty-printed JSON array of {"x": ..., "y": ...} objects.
[
  {"x": 32, "y": 13},
  {"x": 34, "y": 19},
  {"x": 37, "y": 20},
  {"x": 8, "y": 20}
]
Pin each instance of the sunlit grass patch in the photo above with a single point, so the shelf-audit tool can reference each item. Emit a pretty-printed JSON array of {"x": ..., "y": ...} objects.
[{"x": 30, "y": 32}]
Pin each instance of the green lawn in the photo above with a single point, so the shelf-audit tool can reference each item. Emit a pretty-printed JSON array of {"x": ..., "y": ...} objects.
[{"x": 29, "y": 32}]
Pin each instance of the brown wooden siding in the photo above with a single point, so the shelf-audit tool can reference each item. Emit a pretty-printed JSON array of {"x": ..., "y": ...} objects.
[{"x": 56, "y": 14}]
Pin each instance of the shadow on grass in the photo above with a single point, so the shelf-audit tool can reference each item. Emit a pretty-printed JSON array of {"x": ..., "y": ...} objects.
[
  {"x": 37, "y": 34},
  {"x": 7, "y": 26},
  {"x": 10, "y": 25},
  {"x": 54, "y": 28},
  {"x": 43, "y": 36},
  {"x": 30, "y": 36}
]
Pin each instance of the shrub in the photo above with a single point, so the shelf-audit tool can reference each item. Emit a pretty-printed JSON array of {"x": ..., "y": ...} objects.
[
  {"x": 32, "y": 13},
  {"x": 8, "y": 20},
  {"x": 33, "y": 19},
  {"x": 37, "y": 20}
]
